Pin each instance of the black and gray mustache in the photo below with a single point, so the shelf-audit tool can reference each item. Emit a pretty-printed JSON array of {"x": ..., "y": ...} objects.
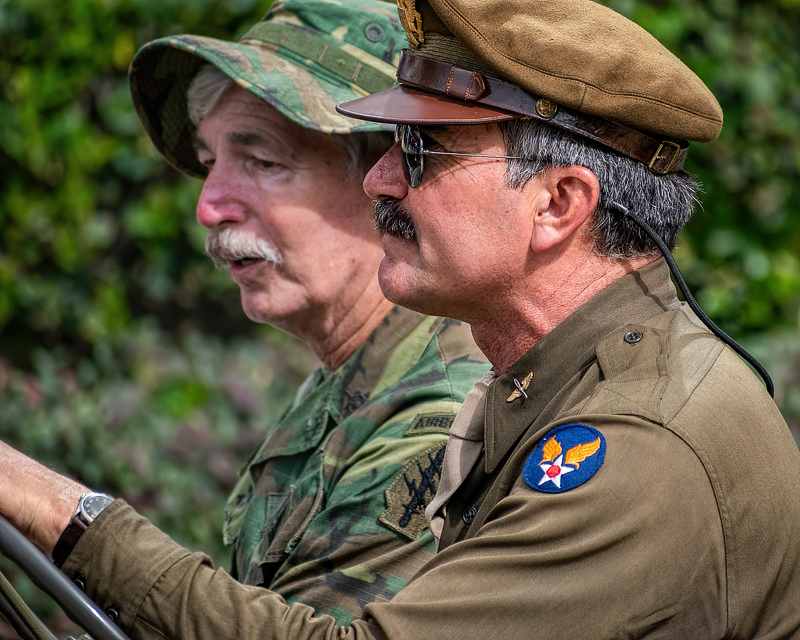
[{"x": 390, "y": 217}]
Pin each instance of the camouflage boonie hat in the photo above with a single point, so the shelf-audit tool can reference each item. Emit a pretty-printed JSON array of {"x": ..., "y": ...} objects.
[{"x": 302, "y": 58}]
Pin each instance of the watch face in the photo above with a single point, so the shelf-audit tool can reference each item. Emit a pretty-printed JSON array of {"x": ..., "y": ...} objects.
[{"x": 93, "y": 504}]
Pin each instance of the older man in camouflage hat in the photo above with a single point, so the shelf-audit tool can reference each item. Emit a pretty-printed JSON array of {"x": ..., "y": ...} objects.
[
  {"x": 620, "y": 473},
  {"x": 329, "y": 511}
]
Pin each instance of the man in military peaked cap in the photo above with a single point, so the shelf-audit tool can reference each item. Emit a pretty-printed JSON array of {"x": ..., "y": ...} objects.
[
  {"x": 620, "y": 473},
  {"x": 329, "y": 512}
]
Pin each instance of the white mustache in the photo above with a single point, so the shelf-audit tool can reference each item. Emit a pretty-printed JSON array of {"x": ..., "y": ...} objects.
[{"x": 232, "y": 244}]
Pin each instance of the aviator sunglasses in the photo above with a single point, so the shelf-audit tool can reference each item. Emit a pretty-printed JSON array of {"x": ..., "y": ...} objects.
[{"x": 413, "y": 149}]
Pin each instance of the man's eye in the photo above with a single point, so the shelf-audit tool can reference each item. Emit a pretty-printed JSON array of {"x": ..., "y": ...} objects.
[
  {"x": 429, "y": 143},
  {"x": 258, "y": 163},
  {"x": 206, "y": 161}
]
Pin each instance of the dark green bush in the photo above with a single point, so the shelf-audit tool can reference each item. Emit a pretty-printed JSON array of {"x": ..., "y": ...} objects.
[{"x": 125, "y": 358}]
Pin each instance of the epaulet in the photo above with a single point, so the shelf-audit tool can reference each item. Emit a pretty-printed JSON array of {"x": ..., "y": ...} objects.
[{"x": 653, "y": 368}]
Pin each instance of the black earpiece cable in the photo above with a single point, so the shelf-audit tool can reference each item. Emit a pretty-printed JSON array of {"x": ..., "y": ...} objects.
[{"x": 687, "y": 295}]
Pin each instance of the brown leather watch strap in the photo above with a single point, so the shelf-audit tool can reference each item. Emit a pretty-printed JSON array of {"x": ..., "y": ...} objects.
[
  {"x": 69, "y": 538},
  {"x": 660, "y": 155}
]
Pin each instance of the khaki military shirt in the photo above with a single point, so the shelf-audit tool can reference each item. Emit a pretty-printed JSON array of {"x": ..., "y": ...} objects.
[{"x": 686, "y": 528}]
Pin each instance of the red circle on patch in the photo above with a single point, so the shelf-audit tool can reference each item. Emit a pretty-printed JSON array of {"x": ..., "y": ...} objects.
[{"x": 553, "y": 471}]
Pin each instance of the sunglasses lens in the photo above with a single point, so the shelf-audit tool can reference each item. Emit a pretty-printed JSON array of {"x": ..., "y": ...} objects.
[{"x": 411, "y": 146}]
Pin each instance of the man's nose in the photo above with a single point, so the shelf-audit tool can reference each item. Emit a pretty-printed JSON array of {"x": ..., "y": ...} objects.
[
  {"x": 219, "y": 202},
  {"x": 385, "y": 179}
]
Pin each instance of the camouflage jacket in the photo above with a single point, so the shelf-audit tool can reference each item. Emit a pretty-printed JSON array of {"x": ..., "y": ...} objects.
[{"x": 330, "y": 509}]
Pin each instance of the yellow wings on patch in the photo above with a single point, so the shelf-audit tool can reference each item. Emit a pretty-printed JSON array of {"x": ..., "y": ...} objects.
[
  {"x": 551, "y": 450},
  {"x": 579, "y": 453}
]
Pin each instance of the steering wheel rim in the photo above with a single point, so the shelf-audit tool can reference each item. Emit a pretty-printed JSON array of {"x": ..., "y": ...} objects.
[
  {"x": 19, "y": 615},
  {"x": 47, "y": 577}
]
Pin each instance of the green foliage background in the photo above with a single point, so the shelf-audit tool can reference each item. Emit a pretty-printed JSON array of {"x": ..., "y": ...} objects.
[{"x": 125, "y": 359}]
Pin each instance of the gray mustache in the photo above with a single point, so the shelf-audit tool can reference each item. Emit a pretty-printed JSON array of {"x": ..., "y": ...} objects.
[{"x": 231, "y": 244}]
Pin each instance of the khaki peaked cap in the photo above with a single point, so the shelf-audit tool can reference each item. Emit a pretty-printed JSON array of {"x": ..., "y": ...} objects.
[{"x": 582, "y": 56}]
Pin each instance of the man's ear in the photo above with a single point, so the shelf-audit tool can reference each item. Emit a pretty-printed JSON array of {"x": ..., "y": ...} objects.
[{"x": 565, "y": 199}]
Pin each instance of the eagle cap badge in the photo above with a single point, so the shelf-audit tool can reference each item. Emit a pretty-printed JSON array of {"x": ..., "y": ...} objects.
[
  {"x": 565, "y": 458},
  {"x": 411, "y": 21}
]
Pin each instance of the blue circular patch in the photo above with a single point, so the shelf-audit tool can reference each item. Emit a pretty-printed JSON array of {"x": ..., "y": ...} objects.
[{"x": 565, "y": 458}]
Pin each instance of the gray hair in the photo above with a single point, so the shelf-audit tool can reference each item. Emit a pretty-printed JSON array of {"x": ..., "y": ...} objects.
[
  {"x": 360, "y": 150},
  {"x": 665, "y": 202}
]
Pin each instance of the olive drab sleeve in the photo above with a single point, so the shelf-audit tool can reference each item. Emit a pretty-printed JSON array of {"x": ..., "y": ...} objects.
[{"x": 641, "y": 489}]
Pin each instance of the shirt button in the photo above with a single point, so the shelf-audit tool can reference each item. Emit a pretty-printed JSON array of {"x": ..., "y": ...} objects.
[
  {"x": 469, "y": 514},
  {"x": 632, "y": 337},
  {"x": 113, "y": 613}
]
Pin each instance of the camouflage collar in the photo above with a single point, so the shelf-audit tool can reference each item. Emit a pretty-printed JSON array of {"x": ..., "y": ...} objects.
[{"x": 330, "y": 397}]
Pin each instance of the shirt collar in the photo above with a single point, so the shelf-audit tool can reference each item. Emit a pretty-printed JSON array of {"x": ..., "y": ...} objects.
[
  {"x": 328, "y": 397},
  {"x": 358, "y": 376},
  {"x": 567, "y": 350}
]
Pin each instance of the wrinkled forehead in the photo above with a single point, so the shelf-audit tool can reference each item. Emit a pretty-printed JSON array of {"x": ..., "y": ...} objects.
[{"x": 239, "y": 118}]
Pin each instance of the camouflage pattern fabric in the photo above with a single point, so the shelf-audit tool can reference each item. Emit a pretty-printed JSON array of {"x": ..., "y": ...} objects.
[
  {"x": 303, "y": 58},
  {"x": 329, "y": 512}
]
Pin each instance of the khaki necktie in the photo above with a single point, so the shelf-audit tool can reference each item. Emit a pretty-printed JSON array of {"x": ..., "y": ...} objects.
[{"x": 463, "y": 449}]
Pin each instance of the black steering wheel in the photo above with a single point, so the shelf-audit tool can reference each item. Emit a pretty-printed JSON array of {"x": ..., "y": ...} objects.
[{"x": 45, "y": 575}]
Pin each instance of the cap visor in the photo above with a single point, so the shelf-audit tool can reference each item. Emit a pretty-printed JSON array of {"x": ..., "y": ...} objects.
[{"x": 404, "y": 105}]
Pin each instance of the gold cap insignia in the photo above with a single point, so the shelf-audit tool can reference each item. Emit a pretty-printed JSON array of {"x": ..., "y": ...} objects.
[
  {"x": 411, "y": 21},
  {"x": 521, "y": 388}
]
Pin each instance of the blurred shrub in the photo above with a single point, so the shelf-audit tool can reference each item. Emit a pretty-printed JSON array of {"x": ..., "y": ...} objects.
[
  {"x": 95, "y": 229},
  {"x": 125, "y": 358},
  {"x": 169, "y": 434}
]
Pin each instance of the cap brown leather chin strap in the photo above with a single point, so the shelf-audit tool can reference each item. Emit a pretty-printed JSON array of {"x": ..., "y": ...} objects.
[{"x": 661, "y": 156}]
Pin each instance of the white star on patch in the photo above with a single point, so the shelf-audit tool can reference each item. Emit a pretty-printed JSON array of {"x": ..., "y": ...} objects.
[{"x": 553, "y": 472}]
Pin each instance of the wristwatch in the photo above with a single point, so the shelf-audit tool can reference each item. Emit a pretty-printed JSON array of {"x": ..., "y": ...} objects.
[{"x": 90, "y": 506}]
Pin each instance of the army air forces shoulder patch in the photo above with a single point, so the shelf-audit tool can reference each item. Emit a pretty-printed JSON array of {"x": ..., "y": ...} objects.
[{"x": 565, "y": 458}]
